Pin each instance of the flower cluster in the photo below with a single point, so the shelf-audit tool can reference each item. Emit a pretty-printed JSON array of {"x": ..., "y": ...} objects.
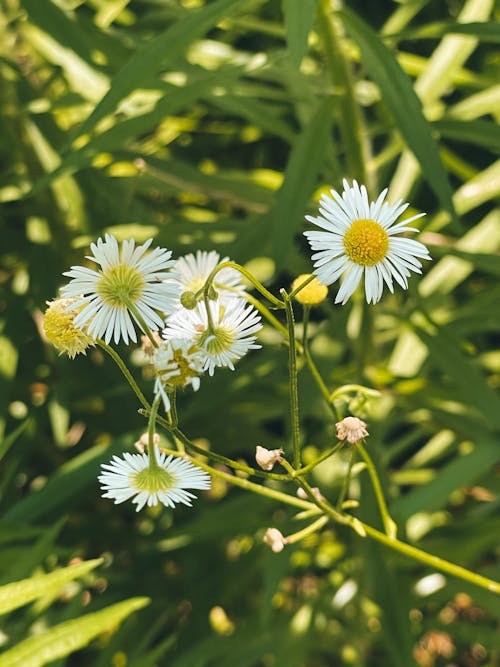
[{"x": 195, "y": 317}]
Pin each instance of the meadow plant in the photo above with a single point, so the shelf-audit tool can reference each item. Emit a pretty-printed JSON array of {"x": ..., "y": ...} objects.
[{"x": 196, "y": 317}]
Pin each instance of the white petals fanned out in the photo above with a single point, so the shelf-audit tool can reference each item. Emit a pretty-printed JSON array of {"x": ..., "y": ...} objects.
[
  {"x": 127, "y": 280},
  {"x": 131, "y": 477},
  {"x": 191, "y": 273},
  {"x": 361, "y": 238},
  {"x": 177, "y": 363},
  {"x": 234, "y": 324}
]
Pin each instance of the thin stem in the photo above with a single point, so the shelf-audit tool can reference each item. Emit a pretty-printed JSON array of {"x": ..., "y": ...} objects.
[
  {"x": 300, "y": 287},
  {"x": 258, "y": 285},
  {"x": 292, "y": 371},
  {"x": 305, "y": 324},
  {"x": 128, "y": 375},
  {"x": 347, "y": 479},
  {"x": 325, "y": 455},
  {"x": 267, "y": 314},
  {"x": 308, "y": 530},
  {"x": 390, "y": 526},
  {"x": 153, "y": 463}
]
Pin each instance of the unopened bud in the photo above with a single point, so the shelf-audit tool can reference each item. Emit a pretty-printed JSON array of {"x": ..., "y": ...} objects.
[
  {"x": 351, "y": 429},
  {"x": 188, "y": 300},
  {"x": 315, "y": 491},
  {"x": 143, "y": 442},
  {"x": 312, "y": 294},
  {"x": 274, "y": 539},
  {"x": 266, "y": 458}
]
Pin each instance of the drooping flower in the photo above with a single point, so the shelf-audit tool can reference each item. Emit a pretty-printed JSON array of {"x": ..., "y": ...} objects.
[
  {"x": 351, "y": 429},
  {"x": 191, "y": 273},
  {"x": 133, "y": 477},
  {"x": 177, "y": 363},
  {"x": 230, "y": 338},
  {"x": 60, "y": 329},
  {"x": 129, "y": 285},
  {"x": 266, "y": 458},
  {"x": 361, "y": 238}
]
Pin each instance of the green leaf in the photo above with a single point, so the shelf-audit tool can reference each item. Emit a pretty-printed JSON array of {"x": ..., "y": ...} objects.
[
  {"x": 461, "y": 471},
  {"x": 67, "y": 637},
  {"x": 7, "y": 442},
  {"x": 299, "y": 17},
  {"x": 402, "y": 101},
  {"x": 478, "y": 132},
  {"x": 19, "y": 593},
  {"x": 468, "y": 381},
  {"x": 156, "y": 54},
  {"x": 488, "y": 31},
  {"x": 302, "y": 170}
]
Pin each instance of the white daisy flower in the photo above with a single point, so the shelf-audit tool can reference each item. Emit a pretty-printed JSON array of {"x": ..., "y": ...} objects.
[
  {"x": 230, "y": 339},
  {"x": 165, "y": 481},
  {"x": 191, "y": 273},
  {"x": 362, "y": 237},
  {"x": 129, "y": 286},
  {"x": 177, "y": 363}
]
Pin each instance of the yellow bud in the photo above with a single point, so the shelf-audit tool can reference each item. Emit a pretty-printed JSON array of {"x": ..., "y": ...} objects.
[{"x": 312, "y": 294}]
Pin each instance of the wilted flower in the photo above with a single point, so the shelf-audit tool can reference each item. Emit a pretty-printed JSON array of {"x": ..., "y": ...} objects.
[
  {"x": 60, "y": 329},
  {"x": 177, "y": 363},
  {"x": 266, "y": 458},
  {"x": 351, "y": 429}
]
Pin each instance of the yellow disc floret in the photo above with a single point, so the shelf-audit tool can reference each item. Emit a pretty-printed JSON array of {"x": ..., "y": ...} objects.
[
  {"x": 313, "y": 293},
  {"x": 121, "y": 285},
  {"x": 58, "y": 324},
  {"x": 366, "y": 242}
]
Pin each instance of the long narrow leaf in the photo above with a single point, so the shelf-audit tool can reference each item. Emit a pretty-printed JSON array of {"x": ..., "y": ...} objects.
[
  {"x": 299, "y": 17},
  {"x": 69, "y": 636},
  {"x": 404, "y": 104}
]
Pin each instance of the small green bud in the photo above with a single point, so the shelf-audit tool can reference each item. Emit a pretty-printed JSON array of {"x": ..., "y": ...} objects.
[{"x": 188, "y": 300}]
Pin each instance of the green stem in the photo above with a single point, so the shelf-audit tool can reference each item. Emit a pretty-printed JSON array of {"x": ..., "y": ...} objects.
[
  {"x": 128, "y": 376},
  {"x": 153, "y": 463},
  {"x": 258, "y": 285},
  {"x": 308, "y": 530},
  {"x": 347, "y": 479},
  {"x": 300, "y": 287},
  {"x": 267, "y": 314},
  {"x": 292, "y": 370},
  {"x": 390, "y": 526}
]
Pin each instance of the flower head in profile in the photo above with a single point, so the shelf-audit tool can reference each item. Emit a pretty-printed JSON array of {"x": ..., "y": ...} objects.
[
  {"x": 191, "y": 273},
  {"x": 351, "y": 429},
  {"x": 177, "y": 363},
  {"x": 60, "y": 329},
  {"x": 227, "y": 340},
  {"x": 128, "y": 287},
  {"x": 362, "y": 239},
  {"x": 166, "y": 482}
]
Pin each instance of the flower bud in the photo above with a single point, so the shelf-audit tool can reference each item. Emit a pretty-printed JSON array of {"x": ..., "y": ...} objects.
[
  {"x": 143, "y": 442},
  {"x": 274, "y": 539},
  {"x": 312, "y": 294},
  {"x": 266, "y": 458},
  {"x": 316, "y": 493},
  {"x": 351, "y": 429},
  {"x": 189, "y": 300}
]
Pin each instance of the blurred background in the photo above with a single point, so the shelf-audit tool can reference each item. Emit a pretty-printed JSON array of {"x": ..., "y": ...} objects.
[{"x": 217, "y": 125}]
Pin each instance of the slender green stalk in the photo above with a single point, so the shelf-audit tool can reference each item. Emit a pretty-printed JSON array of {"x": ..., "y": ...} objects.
[
  {"x": 346, "y": 481},
  {"x": 325, "y": 455},
  {"x": 300, "y": 287},
  {"x": 258, "y": 285},
  {"x": 128, "y": 375},
  {"x": 292, "y": 371},
  {"x": 390, "y": 526},
  {"x": 153, "y": 462},
  {"x": 267, "y": 314},
  {"x": 308, "y": 530}
]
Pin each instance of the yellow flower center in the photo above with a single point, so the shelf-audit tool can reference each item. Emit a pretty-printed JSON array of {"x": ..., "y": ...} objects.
[
  {"x": 366, "y": 242},
  {"x": 216, "y": 341},
  {"x": 121, "y": 286},
  {"x": 152, "y": 481},
  {"x": 312, "y": 294}
]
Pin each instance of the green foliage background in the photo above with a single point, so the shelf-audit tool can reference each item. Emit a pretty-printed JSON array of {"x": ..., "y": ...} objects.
[{"x": 216, "y": 125}]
